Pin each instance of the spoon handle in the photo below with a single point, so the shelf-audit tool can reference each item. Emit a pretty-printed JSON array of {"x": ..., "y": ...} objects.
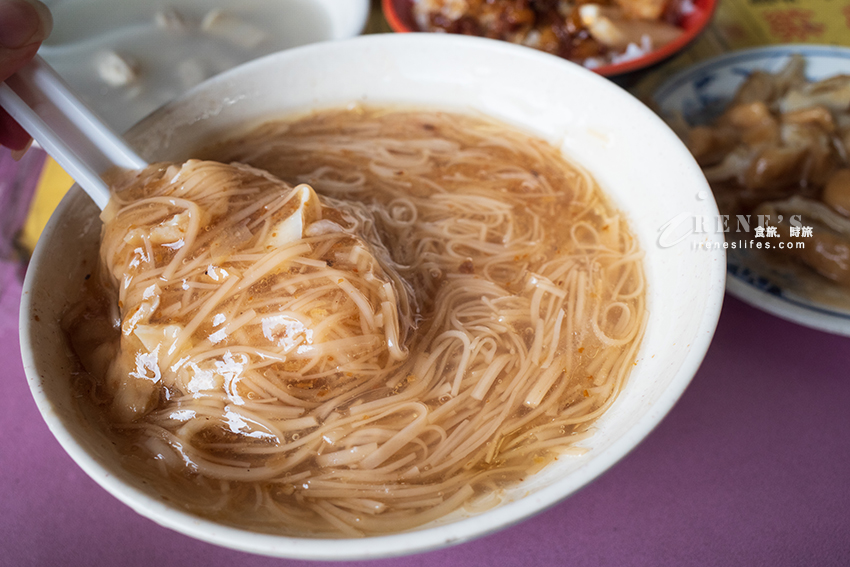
[{"x": 46, "y": 107}]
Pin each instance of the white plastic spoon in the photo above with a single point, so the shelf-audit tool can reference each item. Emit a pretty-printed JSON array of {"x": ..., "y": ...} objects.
[{"x": 40, "y": 101}]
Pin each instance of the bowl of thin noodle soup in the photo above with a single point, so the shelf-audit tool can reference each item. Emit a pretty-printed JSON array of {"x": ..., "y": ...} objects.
[{"x": 426, "y": 356}]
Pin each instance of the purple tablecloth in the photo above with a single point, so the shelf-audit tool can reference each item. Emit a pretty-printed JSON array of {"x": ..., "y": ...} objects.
[{"x": 752, "y": 467}]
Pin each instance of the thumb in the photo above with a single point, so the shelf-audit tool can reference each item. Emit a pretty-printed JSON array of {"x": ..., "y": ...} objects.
[{"x": 24, "y": 24}]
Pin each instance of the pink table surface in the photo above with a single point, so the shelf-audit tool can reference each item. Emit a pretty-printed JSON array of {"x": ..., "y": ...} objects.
[{"x": 751, "y": 468}]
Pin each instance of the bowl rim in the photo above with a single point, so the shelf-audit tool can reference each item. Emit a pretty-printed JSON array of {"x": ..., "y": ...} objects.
[
  {"x": 400, "y": 543},
  {"x": 698, "y": 25}
]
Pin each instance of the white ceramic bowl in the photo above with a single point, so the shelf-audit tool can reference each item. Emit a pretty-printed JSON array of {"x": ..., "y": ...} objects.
[{"x": 634, "y": 156}]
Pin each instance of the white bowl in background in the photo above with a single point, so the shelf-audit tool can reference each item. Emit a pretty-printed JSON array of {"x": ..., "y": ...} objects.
[
  {"x": 169, "y": 48},
  {"x": 635, "y": 157}
]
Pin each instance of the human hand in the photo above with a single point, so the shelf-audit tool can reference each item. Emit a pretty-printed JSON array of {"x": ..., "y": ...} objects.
[{"x": 24, "y": 24}]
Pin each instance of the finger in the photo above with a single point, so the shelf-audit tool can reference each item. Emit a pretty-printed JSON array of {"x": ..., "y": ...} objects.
[
  {"x": 13, "y": 59},
  {"x": 12, "y": 135},
  {"x": 24, "y": 24}
]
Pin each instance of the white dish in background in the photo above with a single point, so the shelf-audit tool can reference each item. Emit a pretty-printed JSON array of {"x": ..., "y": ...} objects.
[
  {"x": 128, "y": 58},
  {"x": 637, "y": 160},
  {"x": 701, "y": 92}
]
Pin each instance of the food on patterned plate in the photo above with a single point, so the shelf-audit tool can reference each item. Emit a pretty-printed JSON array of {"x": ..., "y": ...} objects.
[{"x": 780, "y": 149}]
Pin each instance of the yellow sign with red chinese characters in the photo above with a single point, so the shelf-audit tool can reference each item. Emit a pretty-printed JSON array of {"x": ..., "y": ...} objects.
[
  {"x": 741, "y": 24},
  {"x": 748, "y": 23}
]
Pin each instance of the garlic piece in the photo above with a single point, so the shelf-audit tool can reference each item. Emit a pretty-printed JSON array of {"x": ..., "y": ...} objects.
[{"x": 117, "y": 70}]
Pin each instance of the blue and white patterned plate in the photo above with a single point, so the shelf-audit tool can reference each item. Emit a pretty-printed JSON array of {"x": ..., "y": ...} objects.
[{"x": 700, "y": 93}]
